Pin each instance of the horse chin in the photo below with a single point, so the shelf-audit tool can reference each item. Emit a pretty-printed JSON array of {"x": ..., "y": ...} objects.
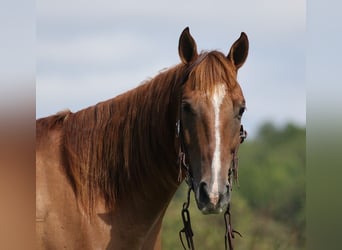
[
  {"x": 207, "y": 210},
  {"x": 211, "y": 209}
]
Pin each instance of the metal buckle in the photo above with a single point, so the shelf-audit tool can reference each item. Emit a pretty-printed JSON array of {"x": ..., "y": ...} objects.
[{"x": 243, "y": 134}]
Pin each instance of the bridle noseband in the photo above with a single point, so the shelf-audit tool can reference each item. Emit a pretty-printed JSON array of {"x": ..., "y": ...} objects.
[{"x": 184, "y": 165}]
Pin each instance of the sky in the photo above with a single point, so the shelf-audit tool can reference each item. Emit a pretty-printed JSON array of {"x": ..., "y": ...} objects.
[{"x": 90, "y": 51}]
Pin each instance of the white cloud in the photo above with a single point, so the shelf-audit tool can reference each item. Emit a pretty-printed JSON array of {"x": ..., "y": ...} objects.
[
  {"x": 93, "y": 49},
  {"x": 89, "y": 52},
  {"x": 266, "y": 12}
]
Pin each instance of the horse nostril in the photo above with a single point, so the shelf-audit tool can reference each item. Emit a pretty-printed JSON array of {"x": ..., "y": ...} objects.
[{"x": 203, "y": 193}]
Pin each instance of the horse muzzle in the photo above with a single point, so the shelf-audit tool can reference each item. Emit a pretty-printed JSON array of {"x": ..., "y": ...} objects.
[{"x": 209, "y": 202}]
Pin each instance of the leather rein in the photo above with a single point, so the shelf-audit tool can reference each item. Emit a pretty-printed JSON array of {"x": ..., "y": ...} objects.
[{"x": 184, "y": 165}]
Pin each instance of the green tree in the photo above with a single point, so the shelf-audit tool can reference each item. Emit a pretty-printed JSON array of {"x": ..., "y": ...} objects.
[{"x": 268, "y": 207}]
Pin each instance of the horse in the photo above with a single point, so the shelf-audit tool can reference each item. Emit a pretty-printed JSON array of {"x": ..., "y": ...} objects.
[{"x": 106, "y": 174}]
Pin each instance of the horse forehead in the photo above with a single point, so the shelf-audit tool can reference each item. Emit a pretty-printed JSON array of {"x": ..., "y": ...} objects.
[
  {"x": 216, "y": 96},
  {"x": 218, "y": 93},
  {"x": 210, "y": 99}
]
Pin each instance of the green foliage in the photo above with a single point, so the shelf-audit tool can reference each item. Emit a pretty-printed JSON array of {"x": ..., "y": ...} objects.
[{"x": 268, "y": 207}]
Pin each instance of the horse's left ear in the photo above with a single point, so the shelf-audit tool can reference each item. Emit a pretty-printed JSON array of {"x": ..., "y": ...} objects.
[
  {"x": 239, "y": 51},
  {"x": 187, "y": 47}
]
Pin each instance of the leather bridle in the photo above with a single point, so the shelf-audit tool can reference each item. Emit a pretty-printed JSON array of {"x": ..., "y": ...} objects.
[{"x": 183, "y": 163}]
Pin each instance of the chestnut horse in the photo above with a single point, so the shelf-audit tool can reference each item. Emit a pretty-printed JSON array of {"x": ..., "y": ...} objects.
[{"x": 106, "y": 174}]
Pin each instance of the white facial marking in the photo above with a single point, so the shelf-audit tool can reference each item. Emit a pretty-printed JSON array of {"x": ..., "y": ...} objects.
[{"x": 217, "y": 98}]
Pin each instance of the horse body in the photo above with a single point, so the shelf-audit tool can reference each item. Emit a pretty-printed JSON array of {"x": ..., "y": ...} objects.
[
  {"x": 106, "y": 174},
  {"x": 63, "y": 223}
]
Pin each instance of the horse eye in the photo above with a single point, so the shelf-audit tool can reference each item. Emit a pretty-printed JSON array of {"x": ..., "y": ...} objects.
[
  {"x": 241, "y": 111},
  {"x": 187, "y": 108}
]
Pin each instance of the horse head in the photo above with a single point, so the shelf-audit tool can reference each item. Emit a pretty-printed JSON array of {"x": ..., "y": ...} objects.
[{"x": 212, "y": 105}]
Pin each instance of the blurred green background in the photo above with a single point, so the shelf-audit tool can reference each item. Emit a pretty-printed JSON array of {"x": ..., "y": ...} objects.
[{"x": 268, "y": 207}]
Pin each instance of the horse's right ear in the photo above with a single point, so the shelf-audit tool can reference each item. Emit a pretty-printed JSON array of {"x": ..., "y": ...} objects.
[
  {"x": 187, "y": 47},
  {"x": 239, "y": 51}
]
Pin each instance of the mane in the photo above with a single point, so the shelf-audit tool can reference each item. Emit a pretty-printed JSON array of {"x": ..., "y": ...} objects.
[
  {"x": 109, "y": 146},
  {"x": 210, "y": 69}
]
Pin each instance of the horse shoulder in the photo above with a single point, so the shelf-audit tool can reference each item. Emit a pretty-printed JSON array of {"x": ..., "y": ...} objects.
[{"x": 60, "y": 223}]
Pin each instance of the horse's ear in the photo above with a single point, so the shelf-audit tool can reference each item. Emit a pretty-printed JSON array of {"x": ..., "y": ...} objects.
[
  {"x": 187, "y": 47},
  {"x": 239, "y": 51}
]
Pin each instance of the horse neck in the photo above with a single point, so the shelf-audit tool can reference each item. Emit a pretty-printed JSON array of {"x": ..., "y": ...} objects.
[
  {"x": 148, "y": 116},
  {"x": 125, "y": 145}
]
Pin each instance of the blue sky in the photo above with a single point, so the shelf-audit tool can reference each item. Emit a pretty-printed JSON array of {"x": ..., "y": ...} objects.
[{"x": 90, "y": 51}]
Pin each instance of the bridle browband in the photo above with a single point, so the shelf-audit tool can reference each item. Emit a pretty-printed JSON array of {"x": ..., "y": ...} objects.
[{"x": 184, "y": 165}]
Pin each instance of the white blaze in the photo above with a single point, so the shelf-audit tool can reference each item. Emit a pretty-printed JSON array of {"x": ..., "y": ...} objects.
[{"x": 217, "y": 98}]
